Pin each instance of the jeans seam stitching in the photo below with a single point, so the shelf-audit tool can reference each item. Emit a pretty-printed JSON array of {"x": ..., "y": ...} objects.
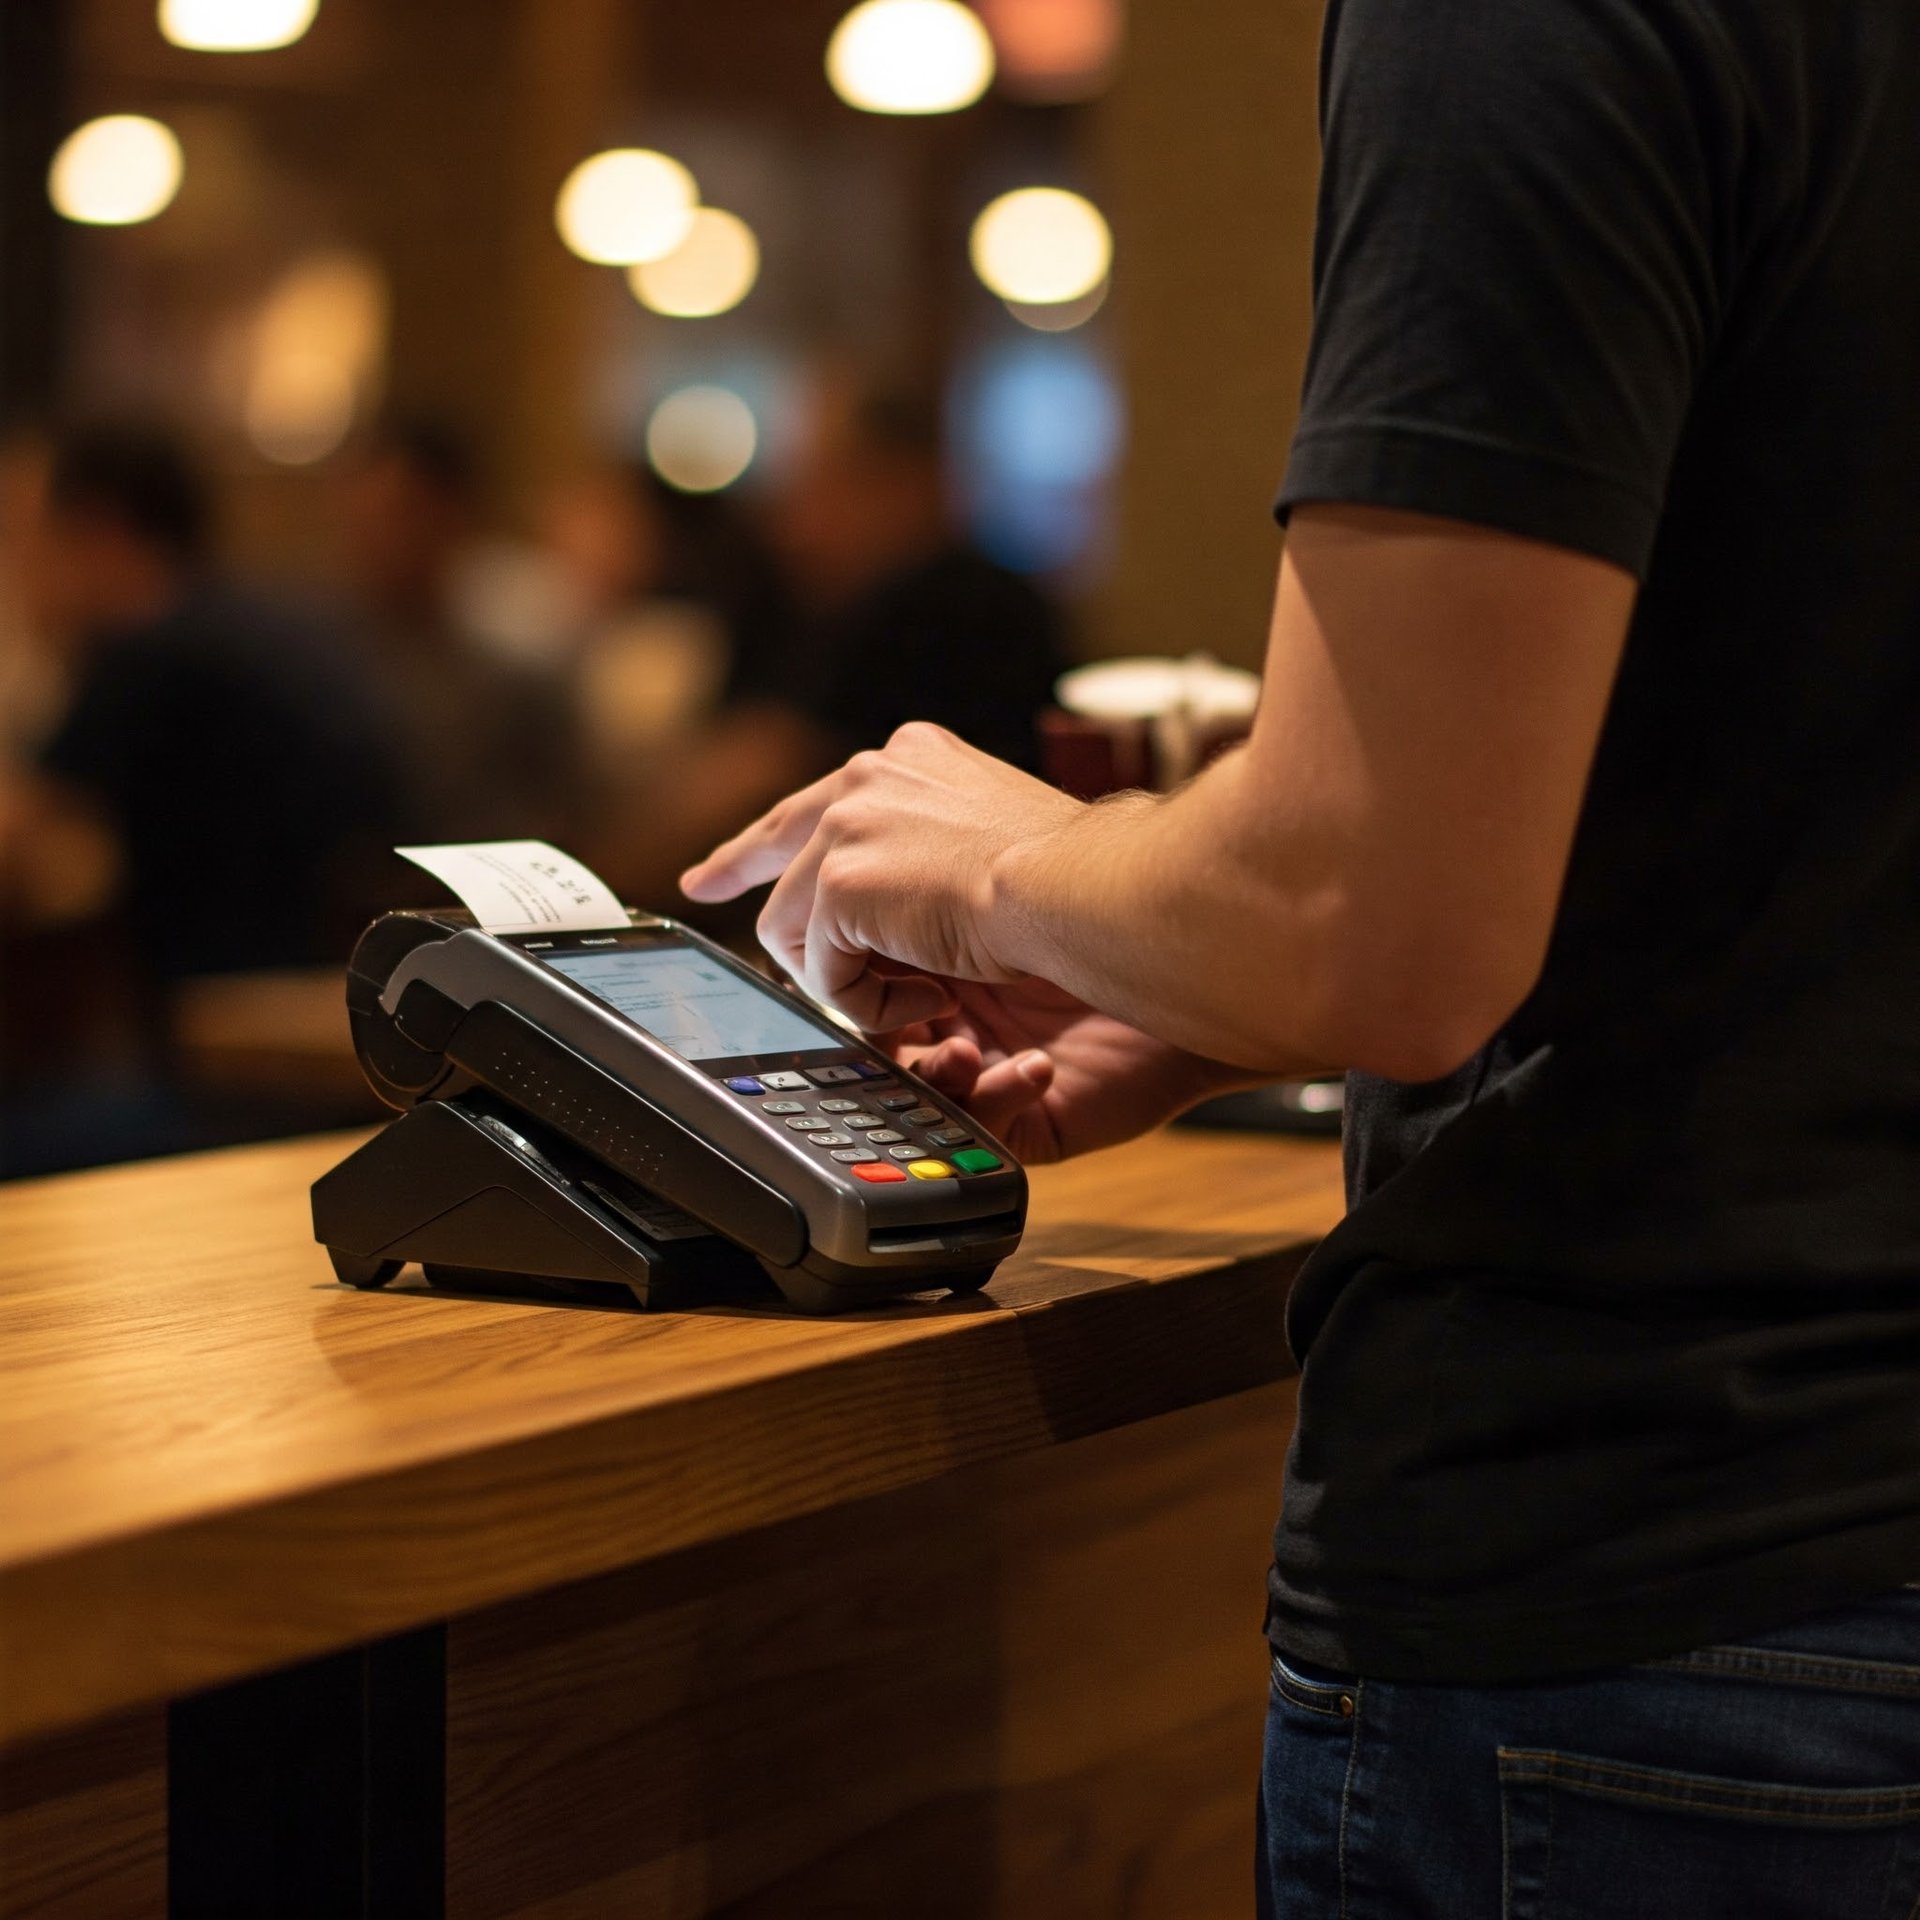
[
  {"x": 1739, "y": 1800},
  {"x": 1346, "y": 1792},
  {"x": 1547, "y": 1881},
  {"x": 1831, "y": 1673},
  {"x": 1506, "y": 1850}
]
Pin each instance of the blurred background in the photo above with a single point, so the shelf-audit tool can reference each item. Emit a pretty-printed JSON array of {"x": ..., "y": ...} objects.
[{"x": 578, "y": 419}]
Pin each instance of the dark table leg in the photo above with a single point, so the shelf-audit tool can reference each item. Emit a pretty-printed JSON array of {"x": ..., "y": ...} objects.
[{"x": 319, "y": 1790}]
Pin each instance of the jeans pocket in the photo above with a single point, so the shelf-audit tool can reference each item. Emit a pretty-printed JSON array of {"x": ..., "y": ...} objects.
[
  {"x": 1306, "y": 1781},
  {"x": 1329, "y": 1694},
  {"x": 1589, "y": 1839}
]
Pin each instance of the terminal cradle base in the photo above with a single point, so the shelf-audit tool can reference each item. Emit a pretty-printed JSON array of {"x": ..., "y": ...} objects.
[{"x": 485, "y": 1207}]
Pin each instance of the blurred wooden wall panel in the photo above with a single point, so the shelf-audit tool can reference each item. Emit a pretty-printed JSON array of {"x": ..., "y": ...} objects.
[
  {"x": 1033, "y": 1689},
  {"x": 1207, "y": 145},
  {"x": 472, "y": 116}
]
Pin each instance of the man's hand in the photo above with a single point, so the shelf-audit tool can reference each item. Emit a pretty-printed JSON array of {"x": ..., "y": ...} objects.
[
  {"x": 891, "y": 856},
  {"x": 1371, "y": 881},
  {"x": 1049, "y": 1075}
]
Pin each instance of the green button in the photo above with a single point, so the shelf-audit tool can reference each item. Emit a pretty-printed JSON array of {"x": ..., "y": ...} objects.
[{"x": 976, "y": 1160}]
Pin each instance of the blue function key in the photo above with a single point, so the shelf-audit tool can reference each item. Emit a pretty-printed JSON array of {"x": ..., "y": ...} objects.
[
  {"x": 745, "y": 1083},
  {"x": 866, "y": 1070}
]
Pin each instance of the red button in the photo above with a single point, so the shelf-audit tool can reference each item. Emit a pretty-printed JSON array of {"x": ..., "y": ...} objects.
[{"x": 879, "y": 1172}]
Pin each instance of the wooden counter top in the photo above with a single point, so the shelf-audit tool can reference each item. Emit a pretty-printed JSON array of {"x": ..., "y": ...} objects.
[{"x": 214, "y": 1459}]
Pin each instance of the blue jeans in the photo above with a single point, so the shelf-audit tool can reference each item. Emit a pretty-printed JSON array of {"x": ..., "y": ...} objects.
[{"x": 1774, "y": 1780}]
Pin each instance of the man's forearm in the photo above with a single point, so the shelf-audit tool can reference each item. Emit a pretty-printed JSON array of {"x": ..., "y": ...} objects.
[{"x": 1119, "y": 904}]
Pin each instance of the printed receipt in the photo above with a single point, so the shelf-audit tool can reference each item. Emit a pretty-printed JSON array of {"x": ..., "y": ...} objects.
[{"x": 522, "y": 886}]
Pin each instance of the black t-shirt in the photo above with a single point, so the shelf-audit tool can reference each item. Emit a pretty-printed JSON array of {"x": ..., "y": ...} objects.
[
  {"x": 951, "y": 638},
  {"x": 1618, "y": 1350},
  {"x": 245, "y": 770}
]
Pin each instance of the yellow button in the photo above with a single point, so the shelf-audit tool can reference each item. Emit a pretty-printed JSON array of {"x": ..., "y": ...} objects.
[{"x": 929, "y": 1169}]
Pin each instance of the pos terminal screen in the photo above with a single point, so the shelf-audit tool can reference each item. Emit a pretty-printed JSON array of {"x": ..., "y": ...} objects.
[{"x": 696, "y": 1006}]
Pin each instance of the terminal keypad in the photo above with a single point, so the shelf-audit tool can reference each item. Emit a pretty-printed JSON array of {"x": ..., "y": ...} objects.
[{"x": 903, "y": 1127}]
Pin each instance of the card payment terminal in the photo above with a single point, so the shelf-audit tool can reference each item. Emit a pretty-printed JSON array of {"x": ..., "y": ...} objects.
[{"x": 636, "y": 1111}]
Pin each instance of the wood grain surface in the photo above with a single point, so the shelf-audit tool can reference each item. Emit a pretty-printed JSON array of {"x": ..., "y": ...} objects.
[
  {"x": 1032, "y": 1689},
  {"x": 83, "y": 1823},
  {"x": 216, "y": 1460}
]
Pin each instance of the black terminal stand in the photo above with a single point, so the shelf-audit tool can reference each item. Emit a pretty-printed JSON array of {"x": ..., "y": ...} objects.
[{"x": 487, "y": 1202}]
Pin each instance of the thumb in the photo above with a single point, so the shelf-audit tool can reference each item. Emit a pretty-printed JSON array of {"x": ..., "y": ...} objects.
[{"x": 1008, "y": 1088}]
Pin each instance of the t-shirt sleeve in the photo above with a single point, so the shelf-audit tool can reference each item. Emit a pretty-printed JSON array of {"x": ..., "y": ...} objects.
[{"x": 1517, "y": 266}]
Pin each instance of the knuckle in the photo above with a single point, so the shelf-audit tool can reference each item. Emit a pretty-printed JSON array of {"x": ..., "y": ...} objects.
[
  {"x": 836, "y": 871},
  {"x": 839, "y": 825},
  {"x": 916, "y": 733}
]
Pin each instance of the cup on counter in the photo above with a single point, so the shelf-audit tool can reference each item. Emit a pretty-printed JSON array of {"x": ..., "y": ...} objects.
[
  {"x": 1143, "y": 722},
  {"x": 1153, "y": 723}
]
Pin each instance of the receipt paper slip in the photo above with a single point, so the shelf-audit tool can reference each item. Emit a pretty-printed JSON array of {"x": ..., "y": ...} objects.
[{"x": 522, "y": 886}]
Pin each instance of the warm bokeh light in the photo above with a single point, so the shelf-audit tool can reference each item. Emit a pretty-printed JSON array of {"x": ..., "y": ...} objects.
[
  {"x": 711, "y": 270},
  {"x": 701, "y": 439},
  {"x": 235, "y": 26},
  {"x": 624, "y": 205},
  {"x": 1053, "y": 49},
  {"x": 315, "y": 356},
  {"x": 116, "y": 171},
  {"x": 1041, "y": 246},
  {"x": 910, "y": 56},
  {"x": 1062, "y": 316}
]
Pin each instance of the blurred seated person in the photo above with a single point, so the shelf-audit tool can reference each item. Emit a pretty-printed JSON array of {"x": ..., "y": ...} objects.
[
  {"x": 903, "y": 617},
  {"x": 218, "y": 776},
  {"x": 488, "y": 736},
  {"x": 672, "y": 592},
  {"x": 211, "y": 798},
  {"x": 897, "y": 617}
]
